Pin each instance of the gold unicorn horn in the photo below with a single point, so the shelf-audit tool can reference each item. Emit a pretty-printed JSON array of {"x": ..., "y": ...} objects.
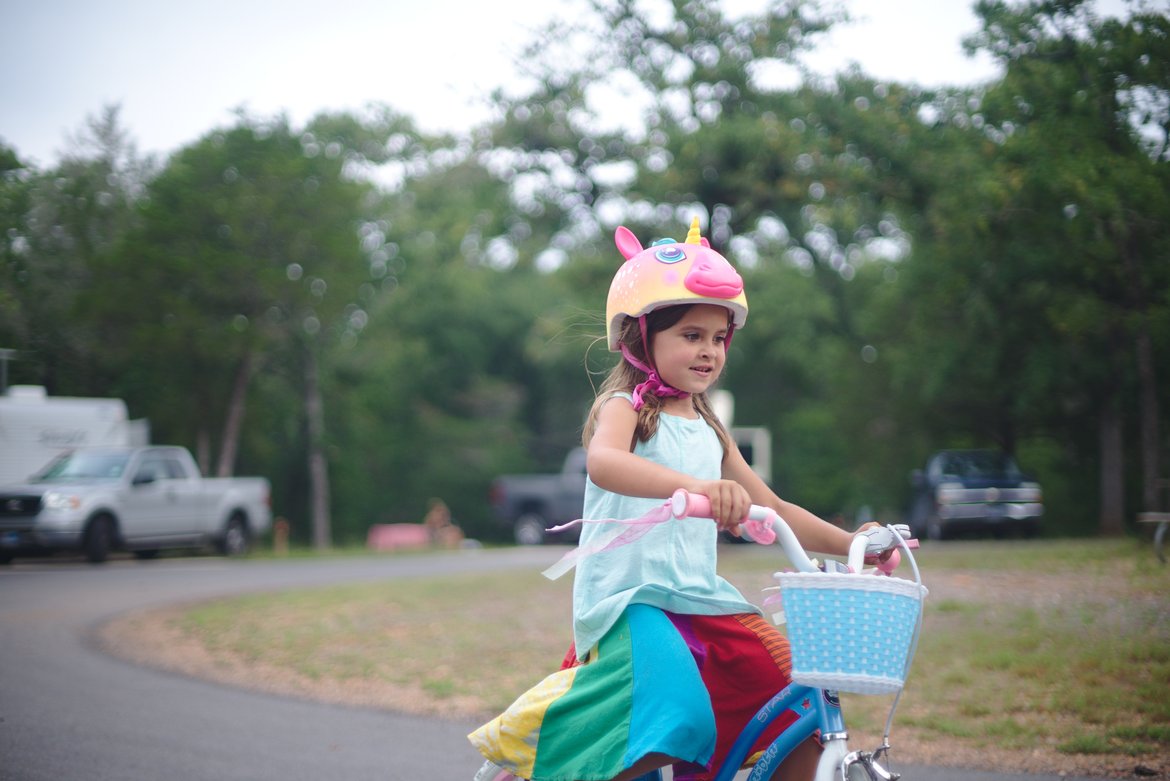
[{"x": 693, "y": 236}]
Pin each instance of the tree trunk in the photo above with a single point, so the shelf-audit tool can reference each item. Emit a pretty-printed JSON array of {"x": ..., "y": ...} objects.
[
  {"x": 1112, "y": 470},
  {"x": 203, "y": 450},
  {"x": 1150, "y": 422},
  {"x": 230, "y": 444},
  {"x": 318, "y": 467},
  {"x": 1007, "y": 429},
  {"x": 1141, "y": 293}
]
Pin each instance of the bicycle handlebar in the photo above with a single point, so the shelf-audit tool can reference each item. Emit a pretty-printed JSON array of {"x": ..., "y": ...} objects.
[{"x": 869, "y": 542}]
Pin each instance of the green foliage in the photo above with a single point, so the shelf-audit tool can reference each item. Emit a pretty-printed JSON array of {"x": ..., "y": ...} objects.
[
  {"x": 57, "y": 226},
  {"x": 435, "y": 403},
  {"x": 926, "y": 268}
]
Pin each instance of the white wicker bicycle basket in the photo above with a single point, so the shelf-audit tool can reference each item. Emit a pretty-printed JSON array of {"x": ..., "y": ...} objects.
[{"x": 852, "y": 633}]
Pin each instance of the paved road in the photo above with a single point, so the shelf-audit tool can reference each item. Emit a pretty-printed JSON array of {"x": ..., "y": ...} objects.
[{"x": 70, "y": 713}]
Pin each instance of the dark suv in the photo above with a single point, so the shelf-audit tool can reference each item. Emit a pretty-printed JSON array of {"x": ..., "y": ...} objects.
[{"x": 973, "y": 491}]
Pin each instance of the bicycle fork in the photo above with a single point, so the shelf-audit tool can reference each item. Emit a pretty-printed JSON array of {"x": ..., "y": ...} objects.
[{"x": 816, "y": 710}]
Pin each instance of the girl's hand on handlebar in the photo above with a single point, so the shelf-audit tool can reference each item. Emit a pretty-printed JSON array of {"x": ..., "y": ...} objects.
[
  {"x": 883, "y": 546},
  {"x": 730, "y": 503},
  {"x": 881, "y": 557}
]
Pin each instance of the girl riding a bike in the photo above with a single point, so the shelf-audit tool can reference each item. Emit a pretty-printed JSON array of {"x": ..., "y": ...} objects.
[{"x": 670, "y": 661}]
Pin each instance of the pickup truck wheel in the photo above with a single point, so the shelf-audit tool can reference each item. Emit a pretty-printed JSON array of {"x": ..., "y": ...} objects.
[
  {"x": 99, "y": 538},
  {"x": 235, "y": 540},
  {"x": 529, "y": 529},
  {"x": 920, "y": 515}
]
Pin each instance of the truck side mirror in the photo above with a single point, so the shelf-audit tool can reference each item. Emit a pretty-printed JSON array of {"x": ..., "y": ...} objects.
[{"x": 143, "y": 478}]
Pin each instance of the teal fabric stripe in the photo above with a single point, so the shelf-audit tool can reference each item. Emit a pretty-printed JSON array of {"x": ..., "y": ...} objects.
[
  {"x": 641, "y": 693},
  {"x": 672, "y": 710}
]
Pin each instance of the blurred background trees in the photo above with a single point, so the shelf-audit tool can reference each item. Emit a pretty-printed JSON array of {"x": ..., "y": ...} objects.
[{"x": 372, "y": 317}]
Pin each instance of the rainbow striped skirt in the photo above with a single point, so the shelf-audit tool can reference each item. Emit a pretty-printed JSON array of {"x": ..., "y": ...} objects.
[{"x": 658, "y": 683}]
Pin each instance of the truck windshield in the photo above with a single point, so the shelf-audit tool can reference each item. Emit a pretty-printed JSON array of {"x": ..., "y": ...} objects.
[
  {"x": 979, "y": 464},
  {"x": 85, "y": 466}
]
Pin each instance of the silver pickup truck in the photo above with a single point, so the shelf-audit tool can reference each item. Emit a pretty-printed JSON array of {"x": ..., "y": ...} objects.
[{"x": 141, "y": 499}]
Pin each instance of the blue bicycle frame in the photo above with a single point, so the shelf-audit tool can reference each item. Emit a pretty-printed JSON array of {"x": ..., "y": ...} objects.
[{"x": 815, "y": 709}]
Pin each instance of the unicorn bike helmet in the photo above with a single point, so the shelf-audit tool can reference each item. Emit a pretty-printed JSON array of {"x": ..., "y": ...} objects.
[{"x": 668, "y": 273}]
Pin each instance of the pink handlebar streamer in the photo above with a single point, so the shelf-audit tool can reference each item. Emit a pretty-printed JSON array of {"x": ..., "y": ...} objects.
[{"x": 633, "y": 529}]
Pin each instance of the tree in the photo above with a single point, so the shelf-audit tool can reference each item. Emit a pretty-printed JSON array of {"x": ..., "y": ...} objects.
[
  {"x": 373, "y": 317},
  {"x": 450, "y": 383},
  {"x": 935, "y": 223},
  {"x": 58, "y": 224},
  {"x": 773, "y": 173},
  {"x": 257, "y": 256},
  {"x": 1081, "y": 121}
]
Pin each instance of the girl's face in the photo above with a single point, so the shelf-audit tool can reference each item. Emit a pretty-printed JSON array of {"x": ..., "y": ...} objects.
[{"x": 690, "y": 354}]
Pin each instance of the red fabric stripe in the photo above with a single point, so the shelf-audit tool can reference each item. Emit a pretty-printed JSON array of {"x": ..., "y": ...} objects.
[{"x": 744, "y": 661}]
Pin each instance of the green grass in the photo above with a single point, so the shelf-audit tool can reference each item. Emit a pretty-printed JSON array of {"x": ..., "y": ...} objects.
[
  {"x": 1075, "y": 657},
  {"x": 1061, "y": 645}
]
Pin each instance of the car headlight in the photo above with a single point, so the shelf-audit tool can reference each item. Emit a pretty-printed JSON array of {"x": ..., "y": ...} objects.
[
  {"x": 949, "y": 493},
  {"x": 57, "y": 500},
  {"x": 1030, "y": 492}
]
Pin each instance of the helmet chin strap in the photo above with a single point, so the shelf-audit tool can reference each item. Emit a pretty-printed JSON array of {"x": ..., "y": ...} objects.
[{"x": 653, "y": 383}]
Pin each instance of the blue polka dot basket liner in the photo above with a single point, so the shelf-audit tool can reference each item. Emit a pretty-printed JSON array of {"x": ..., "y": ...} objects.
[{"x": 851, "y": 633}]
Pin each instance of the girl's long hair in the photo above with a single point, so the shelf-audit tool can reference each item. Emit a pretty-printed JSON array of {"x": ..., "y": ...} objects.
[{"x": 624, "y": 377}]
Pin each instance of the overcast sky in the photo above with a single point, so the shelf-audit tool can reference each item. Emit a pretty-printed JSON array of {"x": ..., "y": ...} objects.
[{"x": 179, "y": 70}]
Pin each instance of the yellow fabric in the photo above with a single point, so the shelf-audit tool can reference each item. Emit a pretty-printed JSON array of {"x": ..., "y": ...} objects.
[{"x": 510, "y": 739}]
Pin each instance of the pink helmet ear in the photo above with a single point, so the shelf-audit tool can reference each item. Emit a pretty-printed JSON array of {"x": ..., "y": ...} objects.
[{"x": 627, "y": 243}]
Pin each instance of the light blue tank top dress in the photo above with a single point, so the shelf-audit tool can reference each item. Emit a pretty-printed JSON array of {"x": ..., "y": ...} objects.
[{"x": 672, "y": 567}]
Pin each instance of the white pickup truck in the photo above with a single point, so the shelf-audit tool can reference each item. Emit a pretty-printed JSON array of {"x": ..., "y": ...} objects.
[{"x": 141, "y": 499}]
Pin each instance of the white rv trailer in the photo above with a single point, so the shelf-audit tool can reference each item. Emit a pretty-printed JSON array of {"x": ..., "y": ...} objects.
[{"x": 35, "y": 428}]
